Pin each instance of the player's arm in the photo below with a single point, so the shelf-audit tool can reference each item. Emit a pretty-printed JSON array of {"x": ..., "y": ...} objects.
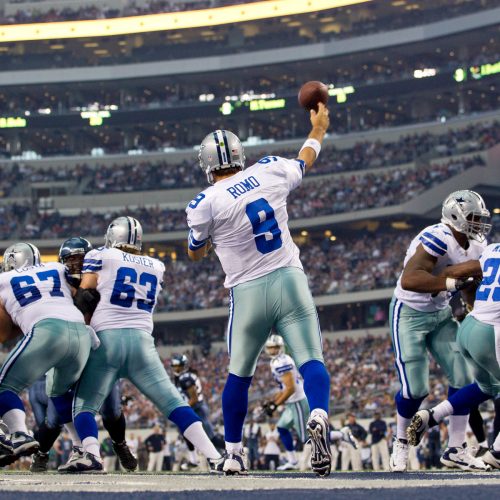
[
  {"x": 8, "y": 330},
  {"x": 311, "y": 148},
  {"x": 471, "y": 268},
  {"x": 87, "y": 297},
  {"x": 417, "y": 275},
  {"x": 199, "y": 253},
  {"x": 289, "y": 388},
  {"x": 193, "y": 397}
]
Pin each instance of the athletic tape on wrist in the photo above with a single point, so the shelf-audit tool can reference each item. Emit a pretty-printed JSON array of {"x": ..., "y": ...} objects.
[
  {"x": 451, "y": 284},
  {"x": 312, "y": 143}
]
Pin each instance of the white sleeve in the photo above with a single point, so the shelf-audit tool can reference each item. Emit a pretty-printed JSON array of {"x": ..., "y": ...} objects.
[
  {"x": 292, "y": 171},
  {"x": 434, "y": 242},
  {"x": 199, "y": 220},
  {"x": 284, "y": 365},
  {"x": 92, "y": 262}
]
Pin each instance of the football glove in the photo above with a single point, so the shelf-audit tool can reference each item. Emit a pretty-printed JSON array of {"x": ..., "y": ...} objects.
[{"x": 269, "y": 408}]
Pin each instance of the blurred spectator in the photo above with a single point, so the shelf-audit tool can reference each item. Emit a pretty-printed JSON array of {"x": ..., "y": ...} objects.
[
  {"x": 379, "y": 447},
  {"x": 272, "y": 450},
  {"x": 108, "y": 455},
  {"x": 352, "y": 456},
  {"x": 155, "y": 443},
  {"x": 252, "y": 434}
]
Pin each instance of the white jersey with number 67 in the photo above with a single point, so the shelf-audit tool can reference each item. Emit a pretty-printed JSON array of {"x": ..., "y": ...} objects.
[{"x": 245, "y": 216}]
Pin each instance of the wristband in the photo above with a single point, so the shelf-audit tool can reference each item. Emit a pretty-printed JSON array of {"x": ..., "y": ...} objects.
[
  {"x": 451, "y": 284},
  {"x": 312, "y": 143}
]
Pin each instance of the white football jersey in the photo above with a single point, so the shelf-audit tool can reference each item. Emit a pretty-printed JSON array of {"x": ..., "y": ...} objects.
[
  {"x": 438, "y": 241},
  {"x": 32, "y": 294},
  {"x": 129, "y": 286},
  {"x": 245, "y": 216},
  {"x": 283, "y": 364},
  {"x": 487, "y": 303}
]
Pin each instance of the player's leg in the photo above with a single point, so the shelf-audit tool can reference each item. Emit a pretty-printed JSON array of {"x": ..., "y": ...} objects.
[
  {"x": 476, "y": 343},
  {"x": 63, "y": 377},
  {"x": 33, "y": 356},
  {"x": 145, "y": 370},
  {"x": 100, "y": 374},
  {"x": 408, "y": 331},
  {"x": 297, "y": 322},
  {"x": 46, "y": 434},
  {"x": 442, "y": 343},
  {"x": 284, "y": 425},
  {"x": 248, "y": 329},
  {"x": 114, "y": 422}
]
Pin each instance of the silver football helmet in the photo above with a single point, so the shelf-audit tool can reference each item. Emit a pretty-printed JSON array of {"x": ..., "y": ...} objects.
[
  {"x": 20, "y": 255},
  {"x": 219, "y": 150},
  {"x": 124, "y": 233},
  {"x": 466, "y": 212},
  {"x": 275, "y": 341}
]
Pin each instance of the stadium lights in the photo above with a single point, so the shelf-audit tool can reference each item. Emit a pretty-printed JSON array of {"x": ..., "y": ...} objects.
[
  {"x": 496, "y": 210},
  {"x": 424, "y": 73},
  {"x": 167, "y": 21}
]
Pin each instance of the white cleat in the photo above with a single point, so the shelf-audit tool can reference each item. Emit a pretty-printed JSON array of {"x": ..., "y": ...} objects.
[
  {"x": 235, "y": 464},
  {"x": 461, "y": 458},
  {"x": 399, "y": 456},
  {"x": 492, "y": 457},
  {"x": 289, "y": 466},
  {"x": 321, "y": 456},
  {"x": 420, "y": 423}
]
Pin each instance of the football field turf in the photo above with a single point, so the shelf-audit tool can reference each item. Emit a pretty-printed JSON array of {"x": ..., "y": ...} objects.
[{"x": 283, "y": 486}]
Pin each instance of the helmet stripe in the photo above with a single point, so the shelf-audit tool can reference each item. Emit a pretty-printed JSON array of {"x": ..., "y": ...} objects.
[
  {"x": 219, "y": 152},
  {"x": 135, "y": 230},
  {"x": 129, "y": 231},
  {"x": 226, "y": 146},
  {"x": 32, "y": 248}
]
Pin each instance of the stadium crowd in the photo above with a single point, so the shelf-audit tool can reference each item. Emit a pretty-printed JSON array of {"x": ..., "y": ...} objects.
[{"x": 348, "y": 193}]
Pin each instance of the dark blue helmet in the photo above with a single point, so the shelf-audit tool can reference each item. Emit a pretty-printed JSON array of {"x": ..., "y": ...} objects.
[
  {"x": 71, "y": 254},
  {"x": 179, "y": 361}
]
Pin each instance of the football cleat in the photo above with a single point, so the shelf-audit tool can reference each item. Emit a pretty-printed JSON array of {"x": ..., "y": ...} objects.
[
  {"x": 235, "y": 464},
  {"x": 76, "y": 453},
  {"x": 492, "y": 457},
  {"x": 399, "y": 456},
  {"x": 128, "y": 461},
  {"x": 86, "y": 463},
  {"x": 188, "y": 466},
  {"x": 348, "y": 437},
  {"x": 289, "y": 466},
  {"x": 6, "y": 451},
  {"x": 216, "y": 465},
  {"x": 23, "y": 444},
  {"x": 321, "y": 456},
  {"x": 420, "y": 423},
  {"x": 461, "y": 458},
  {"x": 39, "y": 462}
]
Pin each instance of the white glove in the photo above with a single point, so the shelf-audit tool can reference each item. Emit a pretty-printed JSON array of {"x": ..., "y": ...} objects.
[{"x": 94, "y": 339}]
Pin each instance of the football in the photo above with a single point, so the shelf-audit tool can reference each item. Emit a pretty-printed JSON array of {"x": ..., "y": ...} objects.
[{"x": 311, "y": 93}]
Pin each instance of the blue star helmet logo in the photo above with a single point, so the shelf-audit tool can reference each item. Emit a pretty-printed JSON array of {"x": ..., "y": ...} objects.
[{"x": 460, "y": 200}]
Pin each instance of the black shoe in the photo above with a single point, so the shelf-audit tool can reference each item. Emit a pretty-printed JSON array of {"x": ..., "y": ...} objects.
[
  {"x": 128, "y": 461},
  {"x": 6, "y": 451},
  {"x": 39, "y": 462},
  {"x": 23, "y": 444}
]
